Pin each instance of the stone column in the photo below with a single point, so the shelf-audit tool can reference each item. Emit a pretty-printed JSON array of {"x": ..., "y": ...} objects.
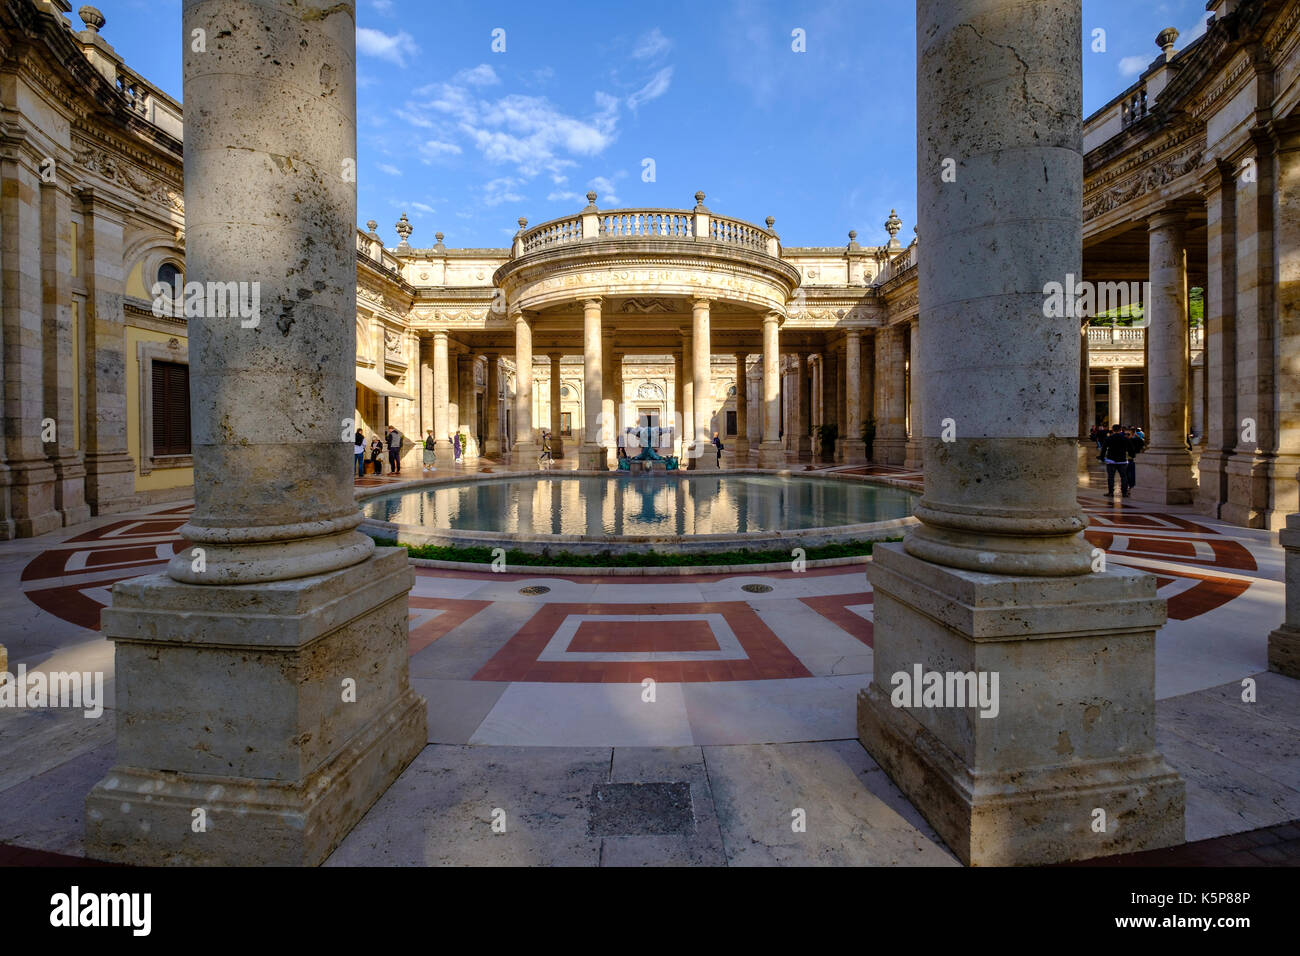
[
  {"x": 1087, "y": 450},
  {"x": 425, "y": 352},
  {"x": 31, "y": 475},
  {"x": 441, "y": 397},
  {"x": 1113, "y": 410},
  {"x": 58, "y": 351},
  {"x": 264, "y": 678},
  {"x": 557, "y": 443},
  {"x": 891, "y": 384},
  {"x": 525, "y": 450},
  {"x": 867, "y": 391},
  {"x": 804, "y": 447},
  {"x": 1249, "y": 468},
  {"x": 996, "y": 580},
  {"x": 830, "y": 415},
  {"x": 741, "y": 441},
  {"x": 770, "y": 454},
  {"x": 492, "y": 404},
  {"x": 688, "y": 398},
  {"x": 841, "y": 401},
  {"x": 1284, "y": 643},
  {"x": 854, "y": 449},
  {"x": 1165, "y": 469},
  {"x": 609, "y": 395},
  {"x": 705, "y": 457},
  {"x": 110, "y": 470},
  {"x": 468, "y": 405},
  {"x": 1283, "y": 487},
  {"x": 677, "y": 402},
  {"x": 913, "y": 455},
  {"x": 592, "y": 456}
]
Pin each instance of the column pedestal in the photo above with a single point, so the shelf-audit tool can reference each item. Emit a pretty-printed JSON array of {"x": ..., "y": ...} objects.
[
  {"x": 1165, "y": 476},
  {"x": 239, "y": 692},
  {"x": 1074, "y": 729},
  {"x": 1284, "y": 643}
]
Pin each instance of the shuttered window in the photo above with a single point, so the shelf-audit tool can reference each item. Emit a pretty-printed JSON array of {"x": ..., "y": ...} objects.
[{"x": 171, "y": 409}]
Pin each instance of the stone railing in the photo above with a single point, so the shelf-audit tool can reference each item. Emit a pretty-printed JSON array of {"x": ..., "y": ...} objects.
[
  {"x": 900, "y": 263},
  {"x": 648, "y": 224},
  {"x": 1133, "y": 336},
  {"x": 373, "y": 249},
  {"x": 149, "y": 102},
  {"x": 553, "y": 232},
  {"x": 690, "y": 225},
  {"x": 738, "y": 233}
]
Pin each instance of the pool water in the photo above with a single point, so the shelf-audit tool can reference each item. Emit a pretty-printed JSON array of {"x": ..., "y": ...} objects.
[{"x": 642, "y": 504}]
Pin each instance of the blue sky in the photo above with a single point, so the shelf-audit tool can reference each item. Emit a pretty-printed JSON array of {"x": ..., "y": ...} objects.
[{"x": 466, "y": 139}]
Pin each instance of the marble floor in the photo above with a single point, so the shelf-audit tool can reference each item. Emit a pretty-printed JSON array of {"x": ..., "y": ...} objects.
[{"x": 550, "y": 695}]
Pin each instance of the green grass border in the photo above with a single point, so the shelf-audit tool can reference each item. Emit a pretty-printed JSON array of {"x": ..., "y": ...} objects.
[{"x": 635, "y": 559}]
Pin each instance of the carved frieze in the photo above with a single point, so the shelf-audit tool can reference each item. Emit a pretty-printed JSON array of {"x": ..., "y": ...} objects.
[
  {"x": 96, "y": 159},
  {"x": 1149, "y": 179}
]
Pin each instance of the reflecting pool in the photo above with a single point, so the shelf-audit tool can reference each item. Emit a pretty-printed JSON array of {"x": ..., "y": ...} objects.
[{"x": 642, "y": 504}]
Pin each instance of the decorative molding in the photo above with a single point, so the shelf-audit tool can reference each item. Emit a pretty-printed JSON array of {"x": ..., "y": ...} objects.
[
  {"x": 1148, "y": 180},
  {"x": 100, "y": 161}
]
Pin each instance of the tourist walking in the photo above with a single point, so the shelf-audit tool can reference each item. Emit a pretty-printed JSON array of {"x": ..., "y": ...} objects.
[
  {"x": 377, "y": 449},
  {"x": 546, "y": 455},
  {"x": 717, "y": 443},
  {"x": 430, "y": 458},
  {"x": 455, "y": 447},
  {"x": 1115, "y": 456},
  {"x": 394, "y": 451},
  {"x": 359, "y": 450}
]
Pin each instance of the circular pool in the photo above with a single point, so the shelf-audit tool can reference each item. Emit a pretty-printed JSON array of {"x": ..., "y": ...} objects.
[{"x": 597, "y": 512}]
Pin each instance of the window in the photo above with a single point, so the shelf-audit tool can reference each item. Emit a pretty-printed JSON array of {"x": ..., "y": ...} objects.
[
  {"x": 168, "y": 273},
  {"x": 566, "y": 423},
  {"x": 171, "y": 409}
]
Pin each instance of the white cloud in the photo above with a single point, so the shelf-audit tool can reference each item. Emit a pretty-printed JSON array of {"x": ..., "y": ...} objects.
[
  {"x": 501, "y": 190},
  {"x": 389, "y": 169},
  {"x": 605, "y": 194},
  {"x": 481, "y": 75},
  {"x": 422, "y": 207},
  {"x": 383, "y": 6},
  {"x": 395, "y": 48},
  {"x": 1185, "y": 38},
  {"x": 1133, "y": 65},
  {"x": 656, "y": 88},
  {"x": 651, "y": 45},
  {"x": 564, "y": 197},
  {"x": 435, "y": 148}
]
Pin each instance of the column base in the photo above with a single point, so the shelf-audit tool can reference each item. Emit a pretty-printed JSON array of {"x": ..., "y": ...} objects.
[
  {"x": 1212, "y": 486},
  {"x": 593, "y": 458},
  {"x": 804, "y": 448},
  {"x": 890, "y": 451},
  {"x": 1071, "y": 725},
  {"x": 70, "y": 490},
  {"x": 31, "y": 494},
  {"x": 1165, "y": 476},
  {"x": 281, "y": 710},
  {"x": 854, "y": 451},
  {"x": 525, "y": 453},
  {"x": 1284, "y": 652},
  {"x": 914, "y": 456},
  {"x": 771, "y": 455},
  {"x": 557, "y": 448},
  {"x": 706, "y": 460},
  {"x": 492, "y": 448},
  {"x": 110, "y": 484},
  {"x": 1262, "y": 490},
  {"x": 739, "y": 448}
]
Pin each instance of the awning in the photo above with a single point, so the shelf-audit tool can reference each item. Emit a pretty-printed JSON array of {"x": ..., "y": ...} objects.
[{"x": 377, "y": 383}]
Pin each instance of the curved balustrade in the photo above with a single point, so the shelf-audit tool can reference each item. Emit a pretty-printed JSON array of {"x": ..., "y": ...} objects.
[
  {"x": 552, "y": 233},
  {"x": 647, "y": 224},
  {"x": 736, "y": 232}
]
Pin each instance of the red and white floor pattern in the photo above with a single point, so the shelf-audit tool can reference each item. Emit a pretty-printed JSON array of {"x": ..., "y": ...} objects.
[{"x": 503, "y": 664}]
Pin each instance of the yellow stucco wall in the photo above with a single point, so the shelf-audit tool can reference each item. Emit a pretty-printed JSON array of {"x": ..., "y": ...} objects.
[
  {"x": 135, "y": 283},
  {"x": 163, "y": 477}
]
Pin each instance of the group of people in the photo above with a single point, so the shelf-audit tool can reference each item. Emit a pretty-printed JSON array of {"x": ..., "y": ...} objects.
[
  {"x": 1118, "y": 447},
  {"x": 391, "y": 442}
]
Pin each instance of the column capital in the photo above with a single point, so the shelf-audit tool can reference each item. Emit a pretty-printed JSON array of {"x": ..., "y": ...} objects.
[
  {"x": 555, "y": 356},
  {"x": 592, "y": 301},
  {"x": 1173, "y": 216},
  {"x": 773, "y": 316},
  {"x": 437, "y": 334},
  {"x": 701, "y": 301}
]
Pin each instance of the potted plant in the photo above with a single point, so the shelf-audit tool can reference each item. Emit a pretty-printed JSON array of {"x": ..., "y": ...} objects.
[{"x": 826, "y": 436}]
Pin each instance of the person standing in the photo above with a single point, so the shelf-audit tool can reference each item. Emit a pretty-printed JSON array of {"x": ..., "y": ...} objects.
[
  {"x": 394, "y": 451},
  {"x": 430, "y": 446},
  {"x": 377, "y": 449},
  {"x": 717, "y": 443},
  {"x": 359, "y": 450},
  {"x": 1136, "y": 443},
  {"x": 1116, "y": 458},
  {"x": 455, "y": 447}
]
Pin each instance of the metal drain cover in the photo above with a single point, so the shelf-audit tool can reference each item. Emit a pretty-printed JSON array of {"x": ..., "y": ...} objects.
[
  {"x": 756, "y": 588},
  {"x": 641, "y": 809},
  {"x": 535, "y": 589}
]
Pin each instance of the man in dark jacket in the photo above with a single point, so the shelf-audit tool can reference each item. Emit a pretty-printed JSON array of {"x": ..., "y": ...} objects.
[
  {"x": 1115, "y": 456},
  {"x": 1135, "y": 445},
  {"x": 394, "y": 451}
]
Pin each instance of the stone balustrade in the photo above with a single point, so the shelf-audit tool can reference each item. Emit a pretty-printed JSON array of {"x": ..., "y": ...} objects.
[
  {"x": 1133, "y": 335},
  {"x": 551, "y": 233},
  {"x": 648, "y": 224}
]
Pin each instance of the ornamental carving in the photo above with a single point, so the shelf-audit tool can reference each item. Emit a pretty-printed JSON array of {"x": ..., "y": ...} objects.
[
  {"x": 393, "y": 343},
  {"x": 94, "y": 159},
  {"x": 649, "y": 391},
  {"x": 1152, "y": 178},
  {"x": 645, "y": 306}
]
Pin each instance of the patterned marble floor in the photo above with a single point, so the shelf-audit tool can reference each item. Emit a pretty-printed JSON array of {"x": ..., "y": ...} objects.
[{"x": 539, "y": 673}]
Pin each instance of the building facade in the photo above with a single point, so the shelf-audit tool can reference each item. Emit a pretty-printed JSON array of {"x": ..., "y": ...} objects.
[{"x": 609, "y": 327}]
